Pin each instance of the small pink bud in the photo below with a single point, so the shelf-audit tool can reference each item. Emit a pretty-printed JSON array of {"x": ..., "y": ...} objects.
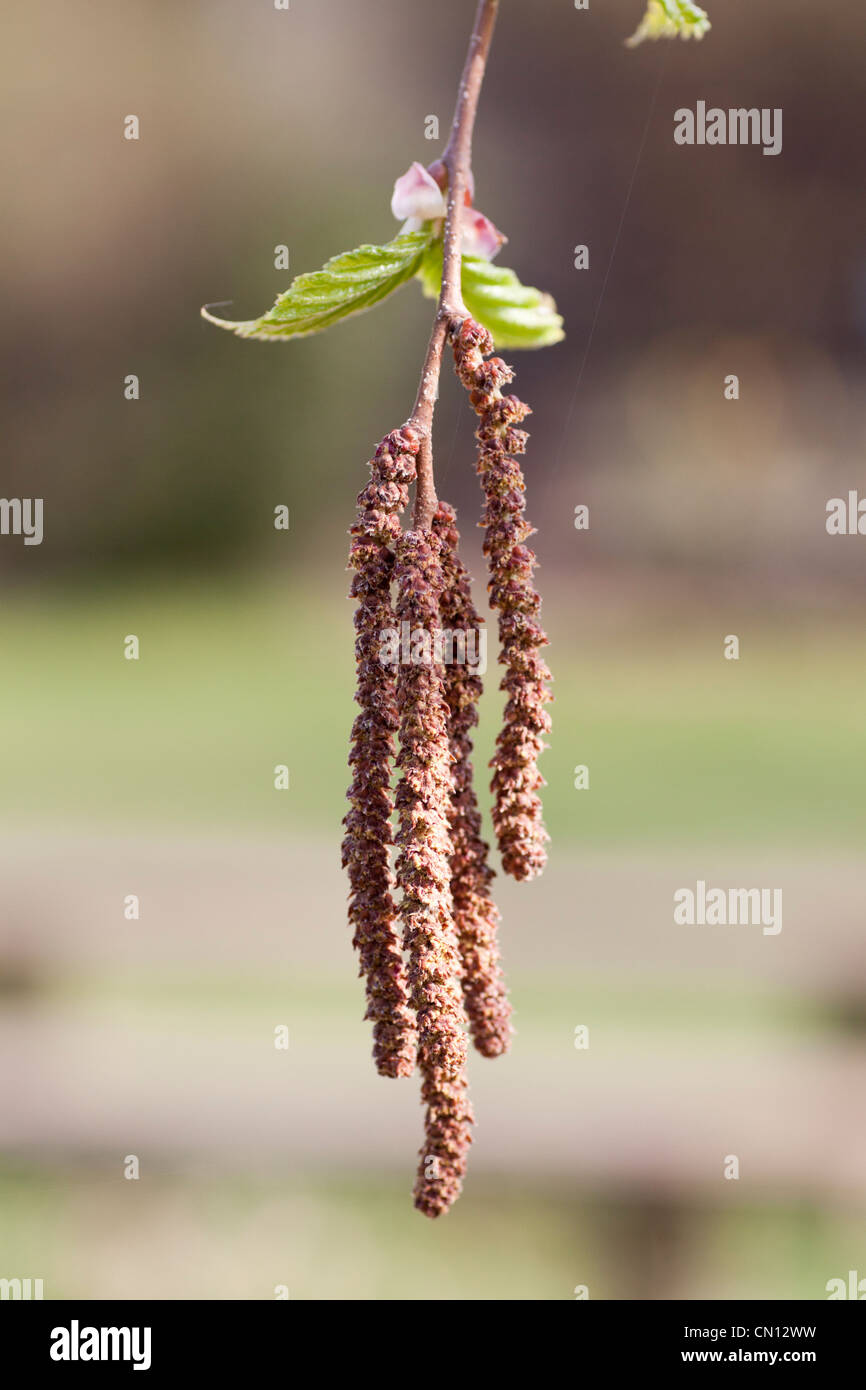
[
  {"x": 437, "y": 171},
  {"x": 480, "y": 237},
  {"x": 417, "y": 196}
]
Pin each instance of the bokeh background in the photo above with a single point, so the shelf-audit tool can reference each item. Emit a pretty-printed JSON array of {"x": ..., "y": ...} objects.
[{"x": 259, "y": 1168}]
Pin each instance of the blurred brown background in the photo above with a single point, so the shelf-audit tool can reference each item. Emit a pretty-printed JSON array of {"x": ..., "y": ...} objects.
[{"x": 707, "y": 517}]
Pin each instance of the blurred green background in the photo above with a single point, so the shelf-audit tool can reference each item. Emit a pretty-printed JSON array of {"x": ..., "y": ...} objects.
[{"x": 600, "y": 1167}]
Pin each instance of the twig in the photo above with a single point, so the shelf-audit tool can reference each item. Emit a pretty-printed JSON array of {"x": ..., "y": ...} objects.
[{"x": 450, "y": 311}]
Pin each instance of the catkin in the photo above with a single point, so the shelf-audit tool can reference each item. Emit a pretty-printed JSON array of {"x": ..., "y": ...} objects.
[
  {"x": 423, "y": 801},
  {"x": 517, "y": 810},
  {"x": 366, "y": 844},
  {"x": 476, "y": 916}
]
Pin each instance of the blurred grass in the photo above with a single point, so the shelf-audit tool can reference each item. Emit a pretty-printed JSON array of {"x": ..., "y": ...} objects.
[
  {"x": 739, "y": 1012},
  {"x": 90, "y": 1234},
  {"x": 682, "y": 745}
]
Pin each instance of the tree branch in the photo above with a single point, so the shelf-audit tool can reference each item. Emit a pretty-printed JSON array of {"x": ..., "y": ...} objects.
[{"x": 450, "y": 311}]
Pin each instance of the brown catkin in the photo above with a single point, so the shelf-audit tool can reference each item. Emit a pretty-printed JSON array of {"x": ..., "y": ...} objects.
[
  {"x": 366, "y": 844},
  {"x": 475, "y": 914},
  {"x": 423, "y": 801},
  {"x": 517, "y": 810},
  {"x": 447, "y": 1136}
]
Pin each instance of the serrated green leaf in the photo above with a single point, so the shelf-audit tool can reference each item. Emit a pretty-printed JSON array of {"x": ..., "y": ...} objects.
[
  {"x": 516, "y": 315},
  {"x": 665, "y": 19},
  {"x": 348, "y": 284}
]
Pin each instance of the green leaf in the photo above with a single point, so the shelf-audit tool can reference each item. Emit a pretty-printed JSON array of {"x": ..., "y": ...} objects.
[
  {"x": 516, "y": 315},
  {"x": 665, "y": 19},
  {"x": 348, "y": 284}
]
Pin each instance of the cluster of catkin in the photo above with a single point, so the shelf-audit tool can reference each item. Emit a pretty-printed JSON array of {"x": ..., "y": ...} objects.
[{"x": 431, "y": 960}]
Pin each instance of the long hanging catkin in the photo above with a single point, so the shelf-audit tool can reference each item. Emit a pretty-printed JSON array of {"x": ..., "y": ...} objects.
[
  {"x": 366, "y": 844},
  {"x": 423, "y": 800},
  {"x": 517, "y": 810},
  {"x": 475, "y": 914}
]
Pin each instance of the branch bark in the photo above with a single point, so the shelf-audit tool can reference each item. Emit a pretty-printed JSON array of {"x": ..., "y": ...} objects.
[{"x": 450, "y": 311}]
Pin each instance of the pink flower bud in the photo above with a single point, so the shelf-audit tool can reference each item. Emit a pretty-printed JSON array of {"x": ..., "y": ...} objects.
[
  {"x": 480, "y": 237},
  {"x": 417, "y": 196}
]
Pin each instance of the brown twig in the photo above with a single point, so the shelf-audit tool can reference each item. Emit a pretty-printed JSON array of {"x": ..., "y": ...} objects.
[{"x": 457, "y": 160}]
